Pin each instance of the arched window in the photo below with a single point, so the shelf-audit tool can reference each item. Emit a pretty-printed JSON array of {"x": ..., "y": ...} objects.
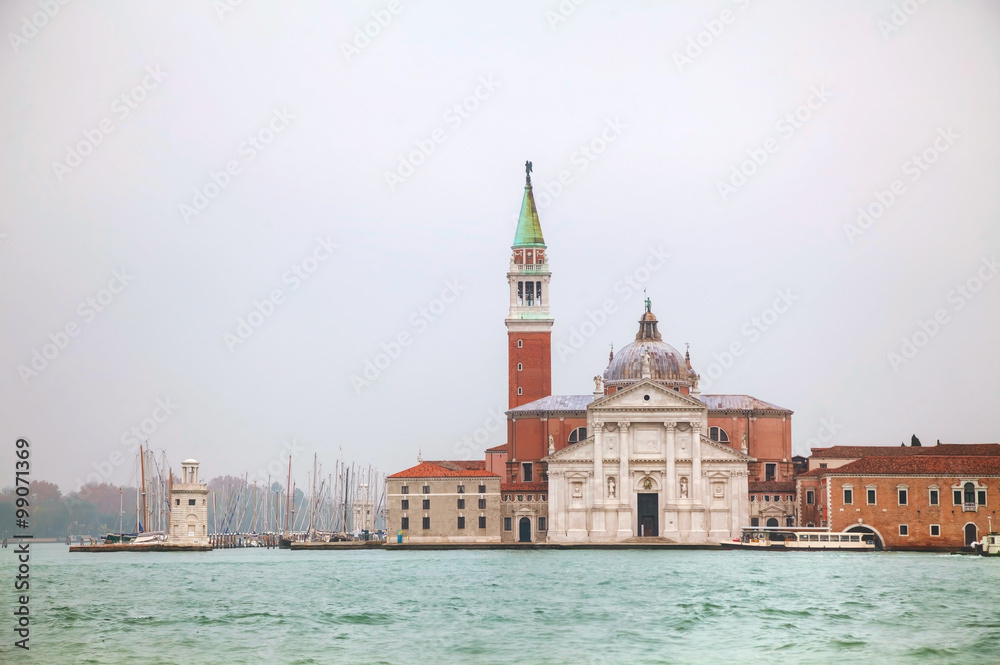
[
  {"x": 771, "y": 521},
  {"x": 578, "y": 435},
  {"x": 718, "y": 434},
  {"x": 970, "y": 493}
]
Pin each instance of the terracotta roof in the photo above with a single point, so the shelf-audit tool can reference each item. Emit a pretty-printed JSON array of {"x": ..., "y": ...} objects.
[
  {"x": 524, "y": 487},
  {"x": 554, "y": 403},
  {"x": 918, "y": 465},
  {"x": 463, "y": 469},
  {"x": 502, "y": 448},
  {"x": 739, "y": 403},
  {"x": 770, "y": 487},
  {"x": 959, "y": 449}
]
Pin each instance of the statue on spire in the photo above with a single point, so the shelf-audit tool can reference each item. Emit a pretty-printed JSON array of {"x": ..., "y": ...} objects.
[
  {"x": 649, "y": 306},
  {"x": 527, "y": 174}
]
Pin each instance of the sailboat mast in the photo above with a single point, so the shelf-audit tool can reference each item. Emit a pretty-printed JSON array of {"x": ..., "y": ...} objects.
[{"x": 142, "y": 470}]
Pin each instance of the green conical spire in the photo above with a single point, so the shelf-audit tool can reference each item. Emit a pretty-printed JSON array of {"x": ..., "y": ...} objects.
[{"x": 529, "y": 229}]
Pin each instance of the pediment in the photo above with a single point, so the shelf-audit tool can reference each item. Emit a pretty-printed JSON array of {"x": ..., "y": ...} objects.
[
  {"x": 634, "y": 397},
  {"x": 576, "y": 452},
  {"x": 715, "y": 450}
]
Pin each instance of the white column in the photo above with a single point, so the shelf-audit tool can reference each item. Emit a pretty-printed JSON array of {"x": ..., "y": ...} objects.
[
  {"x": 598, "y": 464},
  {"x": 696, "y": 489},
  {"x": 624, "y": 447},
  {"x": 671, "y": 479}
]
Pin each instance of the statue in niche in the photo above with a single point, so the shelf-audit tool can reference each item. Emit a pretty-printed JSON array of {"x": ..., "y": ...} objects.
[
  {"x": 647, "y": 484},
  {"x": 611, "y": 487},
  {"x": 552, "y": 445},
  {"x": 743, "y": 445},
  {"x": 684, "y": 487}
]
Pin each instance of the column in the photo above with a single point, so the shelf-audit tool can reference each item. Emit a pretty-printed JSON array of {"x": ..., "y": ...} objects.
[
  {"x": 671, "y": 478},
  {"x": 696, "y": 462},
  {"x": 624, "y": 446},
  {"x": 599, "y": 486}
]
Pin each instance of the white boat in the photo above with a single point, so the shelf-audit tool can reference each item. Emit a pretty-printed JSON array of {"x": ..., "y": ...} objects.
[
  {"x": 990, "y": 545},
  {"x": 790, "y": 539}
]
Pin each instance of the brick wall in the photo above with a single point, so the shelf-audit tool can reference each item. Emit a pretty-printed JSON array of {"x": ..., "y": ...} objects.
[
  {"x": 535, "y": 376},
  {"x": 444, "y": 511}
]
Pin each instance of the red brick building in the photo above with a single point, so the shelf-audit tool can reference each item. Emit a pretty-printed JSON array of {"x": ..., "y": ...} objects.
[{"x": 915, "y": 498}]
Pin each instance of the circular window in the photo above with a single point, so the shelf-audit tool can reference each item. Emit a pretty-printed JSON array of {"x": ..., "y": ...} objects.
[{"x": 646, "y": 397}]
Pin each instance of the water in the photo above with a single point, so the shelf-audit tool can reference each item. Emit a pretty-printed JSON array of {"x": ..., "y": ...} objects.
[{"x": 539, "y": 606}]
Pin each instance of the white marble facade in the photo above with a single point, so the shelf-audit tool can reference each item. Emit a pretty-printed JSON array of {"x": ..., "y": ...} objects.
[{"x": 647, "y": 469}]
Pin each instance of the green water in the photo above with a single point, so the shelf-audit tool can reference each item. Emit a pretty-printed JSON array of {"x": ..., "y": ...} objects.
[{"x": 592, "y": 607}]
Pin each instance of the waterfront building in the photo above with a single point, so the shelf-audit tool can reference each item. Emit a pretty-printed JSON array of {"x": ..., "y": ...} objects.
[
  {"x": 644, "y": 454},
  {"x": 189, "y": 508},
  {"x": 772, "y": 503},
  {"x": 911, "y": 497},
  {"x": 445, "y": 501}
]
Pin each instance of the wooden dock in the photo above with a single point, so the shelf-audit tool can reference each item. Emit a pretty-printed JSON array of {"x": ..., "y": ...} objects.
[{"x": 144, "y": 547}]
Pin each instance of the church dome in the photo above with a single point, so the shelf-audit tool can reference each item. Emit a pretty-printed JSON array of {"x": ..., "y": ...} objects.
[{"x": 666, "y": 363}]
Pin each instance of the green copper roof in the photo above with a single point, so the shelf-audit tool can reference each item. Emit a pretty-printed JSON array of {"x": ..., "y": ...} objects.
[{"x": 529, "y": 230}]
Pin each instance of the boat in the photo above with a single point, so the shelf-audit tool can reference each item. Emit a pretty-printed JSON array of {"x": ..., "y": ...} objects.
[{"x": 800, "y": 539}]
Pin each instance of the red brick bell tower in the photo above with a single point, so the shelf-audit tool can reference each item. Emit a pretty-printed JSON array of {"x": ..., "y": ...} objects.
[{"x": 529, "y": 322}]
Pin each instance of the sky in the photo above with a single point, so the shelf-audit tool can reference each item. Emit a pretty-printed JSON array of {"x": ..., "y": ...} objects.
[{"x": 216, "y": 216}]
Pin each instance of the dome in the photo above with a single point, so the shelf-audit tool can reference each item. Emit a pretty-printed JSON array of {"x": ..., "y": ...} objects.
[{"x": 666, "y": 363}]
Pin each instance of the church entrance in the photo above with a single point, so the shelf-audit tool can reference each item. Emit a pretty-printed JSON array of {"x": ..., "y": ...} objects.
[
  {"x": 647, "y": 509},
  {"x": 524, "y": 530},
  {"x": 971, "y": 533}
]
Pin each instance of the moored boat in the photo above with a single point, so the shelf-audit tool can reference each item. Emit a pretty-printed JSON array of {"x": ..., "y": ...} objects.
[{"x": 793, "y": 539}]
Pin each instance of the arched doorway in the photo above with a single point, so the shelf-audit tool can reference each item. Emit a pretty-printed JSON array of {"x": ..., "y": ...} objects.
[
  {"x": 772, "y": 521},
  {"x": 971, "y": 533},
  {"x": 524, "y": 530},
  {"x": 877, "y": 539}
]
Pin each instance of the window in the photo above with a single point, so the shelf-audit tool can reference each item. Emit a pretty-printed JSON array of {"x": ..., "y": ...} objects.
[
  {"x": 482, "y": 504},
  {"x": 810, "y": 497},
  {"x": 789, "y": 521},
  {"x": 904, "y": 530},
  {"x": 427, "y": 504},
  {"x": 718, "y": 434},
  {"x": 520, "y": 343},
  {"x": 902, "y": 495},
  {"x": 871, "y": 496},
  {"x": 970, "y": 493},
  {"x": 822, "y": 465},
  {"x": 404, "y": 504},
  {"x": 935, "y": 529},
  {"x": 404, "y": 523},
  {"x": 767, "y": 497},
  {"x": 482, "y": 489},
  {"x": 507, "y": 524},
  {"x": 506, "y": 497},
  {"x": 520, "y": 392},
  {"x": 754, "y": 521},
  {"x": 405, "y": 489},
  {"x": 934, "y": 498},
  {"x": 753, "y": 497},
  {"x": 461, "y": 504},
  {"x": 520, "y": 367},
  {"x": 461, "y": 521},
  {"x": 461, "y": 489},
  {"x": 770, "y": 469},
  {"x": 178, "y": 502},
  {"x": 427, "y": 522},
  {"x": 810, "y": 525},
  {"x": 777, "y": 497},
  {"x": 981, "y": 497},
  {"x": 578, "y": 435},
  {"x": 541, "y": 524},
  {"x": 956, "y": 497},
  {"x": 520, "y": 497},
  {"x": 543, "y": 498},
  {"x": 426, "y": 489},
  {"x": 482, "y": 521},
  {"x": 848, "y": 495},
  {"x": 192, "y": 502},
  {"x": 526, "y": 472}
]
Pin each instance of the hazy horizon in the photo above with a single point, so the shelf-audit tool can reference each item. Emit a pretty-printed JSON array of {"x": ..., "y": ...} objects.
[{"x": 235, "y": 162}]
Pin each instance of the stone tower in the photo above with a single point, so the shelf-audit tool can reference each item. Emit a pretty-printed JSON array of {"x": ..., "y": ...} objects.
[
  {"x": 189, "y": 508},
  {"x": 529, "y": 321}
]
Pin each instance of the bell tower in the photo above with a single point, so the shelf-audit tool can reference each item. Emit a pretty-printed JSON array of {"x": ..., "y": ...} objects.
[{"x": 529, "y": 322}]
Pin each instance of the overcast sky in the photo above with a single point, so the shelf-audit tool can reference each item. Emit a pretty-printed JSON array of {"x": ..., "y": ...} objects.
[{"x": 120, "y": 120}]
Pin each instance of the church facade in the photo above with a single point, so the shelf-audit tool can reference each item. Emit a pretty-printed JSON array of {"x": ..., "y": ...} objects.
[{"x": 645, "y": 454}]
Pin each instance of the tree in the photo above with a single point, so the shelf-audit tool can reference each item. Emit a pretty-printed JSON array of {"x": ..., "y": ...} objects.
[{"x": 914, "y": 441}]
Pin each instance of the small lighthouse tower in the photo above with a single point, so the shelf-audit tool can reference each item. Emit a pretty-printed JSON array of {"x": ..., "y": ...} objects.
[{"x": 189, "y": 508}]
